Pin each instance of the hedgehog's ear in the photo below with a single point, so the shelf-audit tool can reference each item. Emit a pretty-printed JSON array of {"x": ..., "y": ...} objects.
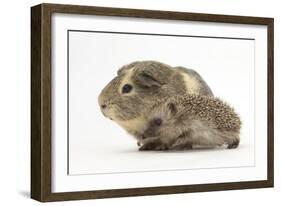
[{"x": 172, "y": 109}]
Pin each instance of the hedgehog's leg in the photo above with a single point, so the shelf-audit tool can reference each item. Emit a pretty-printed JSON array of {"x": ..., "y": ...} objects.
[
  {"x": 233, "y": 141},
  {"x": 160, "y": 147},
  {"x": 183, "y": 142},
  {"x": 186, "y": 146}
]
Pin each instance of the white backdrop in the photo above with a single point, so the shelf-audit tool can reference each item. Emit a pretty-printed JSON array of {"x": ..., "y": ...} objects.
[
  {"x": 15, "y": 84},
  {"x": 227, "y": 65}
]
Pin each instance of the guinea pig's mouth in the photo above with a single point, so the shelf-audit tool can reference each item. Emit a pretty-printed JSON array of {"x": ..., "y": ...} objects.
[
  {"x": 107, "y": 112},
  {"x": 104, "y": 114}
]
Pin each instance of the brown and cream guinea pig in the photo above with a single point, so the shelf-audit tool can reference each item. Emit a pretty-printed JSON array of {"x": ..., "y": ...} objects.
[{"x": 139, "y": 84}]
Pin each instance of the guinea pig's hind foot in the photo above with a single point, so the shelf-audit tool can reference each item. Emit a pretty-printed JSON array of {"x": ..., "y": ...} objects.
[{"x": 233, "y": 145}]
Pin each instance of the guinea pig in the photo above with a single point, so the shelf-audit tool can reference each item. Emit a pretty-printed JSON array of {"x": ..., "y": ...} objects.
[
  {"x": 183, "y": 121},
  {"x": 139, "y": 84}
]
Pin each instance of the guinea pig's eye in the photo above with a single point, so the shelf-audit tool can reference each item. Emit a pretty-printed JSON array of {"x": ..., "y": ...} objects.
[
  {"x": 127, "y": 88},
  {"x": 158, "y": 121}
]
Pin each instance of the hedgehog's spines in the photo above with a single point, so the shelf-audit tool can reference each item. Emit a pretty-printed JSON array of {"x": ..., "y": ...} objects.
[{"x": 209, "y": 109}]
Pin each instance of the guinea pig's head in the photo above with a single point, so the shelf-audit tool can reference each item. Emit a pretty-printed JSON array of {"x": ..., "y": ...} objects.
[
  {"x": 135, "y": 87},
  {"x": 161, "y": 121}
]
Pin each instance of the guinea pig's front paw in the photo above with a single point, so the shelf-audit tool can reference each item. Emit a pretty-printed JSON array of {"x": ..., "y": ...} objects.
[
  {"x": 156, "y": 146},
  {"x": 147, "y": 146}
]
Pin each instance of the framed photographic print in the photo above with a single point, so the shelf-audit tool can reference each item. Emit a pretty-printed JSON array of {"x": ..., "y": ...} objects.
[{"x": 128, "y": 102}]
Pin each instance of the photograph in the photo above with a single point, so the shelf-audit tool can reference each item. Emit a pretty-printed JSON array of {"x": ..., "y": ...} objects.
[{"x": 164, "y": 98}]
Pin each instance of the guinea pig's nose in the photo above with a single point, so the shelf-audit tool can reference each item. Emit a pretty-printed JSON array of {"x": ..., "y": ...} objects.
[{"x": 103, "y": 106}]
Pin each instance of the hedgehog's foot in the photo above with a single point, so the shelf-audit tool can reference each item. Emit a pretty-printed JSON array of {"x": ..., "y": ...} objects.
[
  {"x": 186, "y": 146},
  {"x": 161, "y": 147},
  {"x": 233, "y": 145}
]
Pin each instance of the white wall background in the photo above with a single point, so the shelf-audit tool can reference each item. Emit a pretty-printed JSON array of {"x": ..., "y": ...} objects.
[
  {"x": 15, "y": 102},
  {"x": 91, "y": 141}
]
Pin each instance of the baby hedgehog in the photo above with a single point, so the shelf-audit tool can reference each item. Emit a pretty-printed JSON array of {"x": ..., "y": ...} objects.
[{"x": 181, "y": 122}]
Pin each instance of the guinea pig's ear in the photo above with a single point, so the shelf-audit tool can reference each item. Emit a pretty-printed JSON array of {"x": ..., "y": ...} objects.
[
  {"x": 147, "y": 80},
  {"x": 153, "y": 74},
  {"x": 126, "y": 67},
  {"x": 122, "y": 70},
  {"x": 172, "y": 109}
]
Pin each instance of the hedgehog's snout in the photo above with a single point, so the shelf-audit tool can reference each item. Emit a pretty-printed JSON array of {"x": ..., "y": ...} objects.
[{"x": 143, "y": 136}]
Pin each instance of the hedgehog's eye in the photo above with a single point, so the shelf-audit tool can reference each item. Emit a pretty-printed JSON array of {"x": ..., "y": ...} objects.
[
  {"x": 158, "y": 122},
  {"x": 127, "y": 88}
]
